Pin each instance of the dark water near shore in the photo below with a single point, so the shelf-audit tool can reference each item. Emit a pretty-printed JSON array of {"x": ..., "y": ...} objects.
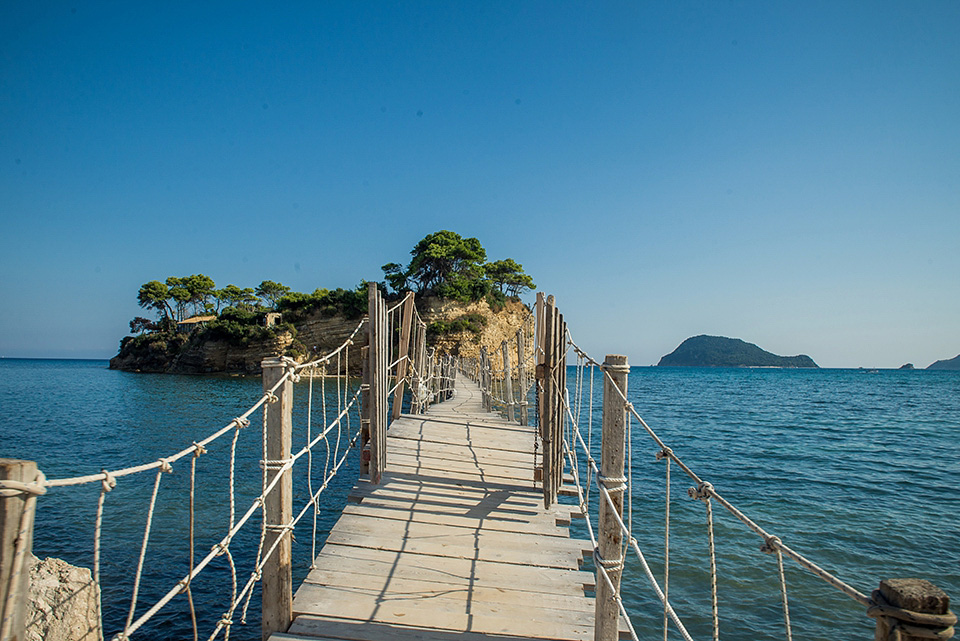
[{"x": 855, "y": 469}]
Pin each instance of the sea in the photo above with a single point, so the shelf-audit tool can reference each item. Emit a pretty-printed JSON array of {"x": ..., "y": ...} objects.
[{"x": 855, "y": 469}]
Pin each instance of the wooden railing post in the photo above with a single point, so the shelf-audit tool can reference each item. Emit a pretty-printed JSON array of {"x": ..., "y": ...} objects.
[
  {"x": 508, "y": 382},
  {"x": 548, "y": 400},
  {"x": 915, "y": 608},
  {"x": 522, "y": 376},
  {"x": 376, "y": 362},
  {"x": 16, "y": 542},
  {"x": 277, "y": 586},
  {"x": 419, "y": 361},
  {"x": 406, "y": 324},
  {"x": 482, "y": 376},
  {"x": 609, "y": 534}
]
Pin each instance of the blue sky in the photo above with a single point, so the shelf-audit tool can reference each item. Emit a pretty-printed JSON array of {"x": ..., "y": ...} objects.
[{"x": 785, "y": 174}]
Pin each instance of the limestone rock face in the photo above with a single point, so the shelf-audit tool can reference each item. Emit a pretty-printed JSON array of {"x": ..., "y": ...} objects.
[
  {"x": 64, "y": 603},
  {"x": 500, "y": 326}
]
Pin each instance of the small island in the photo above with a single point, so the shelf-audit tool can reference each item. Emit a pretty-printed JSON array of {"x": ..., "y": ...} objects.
[
  {"x": 719, "y": 351},
  {"x": 465, "y": 300},
  {"x": 949, "y": 363}
]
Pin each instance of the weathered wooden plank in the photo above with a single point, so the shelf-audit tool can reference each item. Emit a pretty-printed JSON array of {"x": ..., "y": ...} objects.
[
  {"x": 466, "y": 593},
  {"x": 486, "y": 551},
  {"x": 545, "y": 526},
  {"x": 446, "y": 570},
  {"x": 518, "y": 458},
  {"x": 363, "y": 630},
  {"x": 453, "y": 536},
  {"x": 447, "y": 614}
]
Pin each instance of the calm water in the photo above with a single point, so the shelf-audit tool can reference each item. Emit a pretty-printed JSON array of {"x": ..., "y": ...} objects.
[{"x": 854, "y": 469}]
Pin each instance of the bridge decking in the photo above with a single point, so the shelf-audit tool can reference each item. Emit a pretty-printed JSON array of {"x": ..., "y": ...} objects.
[{"x": 454, "y": 543}]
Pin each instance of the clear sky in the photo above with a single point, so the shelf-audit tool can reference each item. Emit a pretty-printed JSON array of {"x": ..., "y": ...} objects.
[{"x": 785, "y": 173}]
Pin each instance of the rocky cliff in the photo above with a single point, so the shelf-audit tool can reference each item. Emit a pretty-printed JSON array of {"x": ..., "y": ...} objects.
[
  {"x": 496, "y": 326},
  {"x": 317, "y": 334}
]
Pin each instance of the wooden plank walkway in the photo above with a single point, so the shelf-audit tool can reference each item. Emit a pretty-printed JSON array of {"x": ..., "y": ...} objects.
[{"x": 453, "y": 544}]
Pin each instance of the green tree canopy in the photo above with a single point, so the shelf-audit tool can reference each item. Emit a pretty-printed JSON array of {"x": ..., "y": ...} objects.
[
  {"x": 272, "y": 292},
  {"x": 445, "y": 256},
  {"x": 233, "y": 296},
  {"x": 509, "y": 277},
  {"x": 396, "y": 277},
  {"x": 194, "y": 291},
  {"x": 155, "y": 295}
]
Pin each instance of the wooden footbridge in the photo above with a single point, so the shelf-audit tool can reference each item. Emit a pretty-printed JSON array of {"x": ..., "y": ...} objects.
[
  {"x": 454, "y": 530},
  {"x": 454, "y": 542}
]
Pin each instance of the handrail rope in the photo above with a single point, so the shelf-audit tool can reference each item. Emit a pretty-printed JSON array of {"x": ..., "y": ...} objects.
[
  {"x": 798, "y": 558},
  {"x": 624, "y": 529},
  {"x": 219, "y": 547}
]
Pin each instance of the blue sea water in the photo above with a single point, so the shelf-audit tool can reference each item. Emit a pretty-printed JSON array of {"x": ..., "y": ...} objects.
[{"x": 854, "y": 469}]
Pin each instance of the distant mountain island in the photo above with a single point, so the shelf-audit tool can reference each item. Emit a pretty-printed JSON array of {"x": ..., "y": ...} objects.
[
  {"x": 719, "y": 351},
  {"x": 950, "y": 363}
]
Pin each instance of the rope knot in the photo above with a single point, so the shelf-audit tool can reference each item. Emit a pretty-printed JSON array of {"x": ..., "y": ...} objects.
[
  {"x": 241, "y": 422},
  {"x": 198, "y": 449},
  {"x": 910, "y": 622},
  {"x": 225, "y": 622},
  {"x": 109, "y": 481},
  {"x": 771, "y": 544},
  {"x": 607, "y": 564},
  {"x": 221, "y": 548},
  {"x": 612, "y": 483},
  {"x": 701, "y": 492},
  {"x": 165, "y": 466},
  {"x": 665, "y": 453},
  {"x": 272, "y": 398}
]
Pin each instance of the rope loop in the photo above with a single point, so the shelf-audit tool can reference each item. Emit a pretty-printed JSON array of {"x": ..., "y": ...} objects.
[
  {"x": 664, "y": 453},
  {"x": 221, "y": 548},
  {"x": 165, "y": 466},
  {"x": 771, "y": 544},
  {"x": 272, "y": 398},
  {"x": 14, "y": 488},
  {"x": 607, "y": 564},
  {"x": 241, "y": 422},
  {"x": 198, "y": 449},
  {"x": 702, "y": 492},
  {"x": 273, "y": 464},
  {"x": 613, "y": 484},
  {"x": 909, "y": 622},
  {"x": 109, "y": 481}
]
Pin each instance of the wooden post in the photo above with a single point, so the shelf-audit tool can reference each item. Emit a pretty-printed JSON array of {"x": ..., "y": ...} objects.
[
  {"x": 918, "y": 597},
  {"x": 378, "y": 381},
  {"x": 547, "y": 401},
  {"x": 419, "y": 361},
  {"x": 277, "y": 586},
  {"x": 507, "y": 381},
  {"x": 609, "y": 535},
  {"x": 406, "y": 323},
  {"x": 489, "y": 375},
  {"x": 560, "y": 399},
  {"x": 482, "y": 377},
  {"x": 522, "y": 376},
  {"x": 366, "y": 408},
  {"x": 16, "y": 542}
]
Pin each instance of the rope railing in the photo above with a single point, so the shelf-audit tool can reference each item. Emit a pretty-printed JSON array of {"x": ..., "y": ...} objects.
[
  {"x": 575, "y": 406},
  {"x": 401, "y": 357}
]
